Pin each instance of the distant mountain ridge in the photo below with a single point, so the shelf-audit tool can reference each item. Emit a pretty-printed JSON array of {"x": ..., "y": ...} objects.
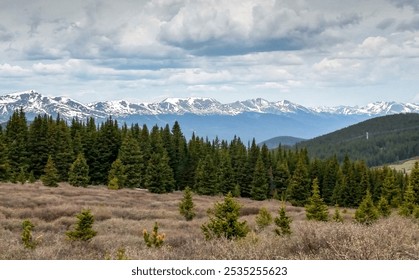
[{"x": 208, "y": 117}]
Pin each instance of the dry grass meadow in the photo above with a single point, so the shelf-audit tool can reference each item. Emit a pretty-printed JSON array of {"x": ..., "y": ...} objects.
[{"x": 121, "y": 216}]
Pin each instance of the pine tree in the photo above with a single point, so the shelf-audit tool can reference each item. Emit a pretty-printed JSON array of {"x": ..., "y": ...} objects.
[
  {"x": 132, "y": 159},
  {"x": 116, "y": 176},
  {"x": 223, "y": 221},
  {"x": 390, "y": 190},
  {"x": 27, "y": 238},
  {"x": 79, "y": 172},
  {"x": 414, "y": 181},
  {"x": 337, "y": 217},
  {"x": 316, "y": 209},
  {"x": 205, "y": 177},
  {"x": 50, "y": 178},
  {"x": 260, "y": 187},
  {"x": 4, "y": 165},
  {"x": 263, "y": 219},
  {"x": 281, "y": 176},
  {"x": 366, "y": 213},
  {"x": 186, "y": 206},
  {"x": 159, "y": 175},
  {"x": 408, "y": 206},
  {"x": 298, "y": 189},
  {"x": 383, "y": 207},
  {"x": 224, "y": 174},
  {"x": 283, "y": 223},
  {"x": 84, "y": 227}
]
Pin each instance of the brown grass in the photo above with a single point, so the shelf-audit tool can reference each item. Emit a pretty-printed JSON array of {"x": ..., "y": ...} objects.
[{"x": 122, "y": 215}]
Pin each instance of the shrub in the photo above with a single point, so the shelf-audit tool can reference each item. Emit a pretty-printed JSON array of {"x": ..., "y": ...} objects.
[
  {"x": 186, "y": 206},
  {"x": 154, "y": 239},
  {"x": 27, "y": 239},
  {"x": 283, "y": 223},
  {"x": 83, "y": 230},
  {"x": 263, "y": 219},
  {"x": 366, "y": 213},
  {"x": 224, "y": 221},
  {"x": 113, "y": 184}
]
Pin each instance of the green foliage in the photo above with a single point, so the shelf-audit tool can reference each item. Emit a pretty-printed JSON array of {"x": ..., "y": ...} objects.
[
  {"x": 186, "y": 206},
  {"x": 21, "y": 177},
  {"x": 205, "y": 177},
  {"x": 155, "y": 239},
  {"x": 383, "y": 207},
  {"x": 316, "y": 209},
  {"x": 337, "y": 217},
  {"x": 50, "y": 179},
  {"x": 383, "y": 145},
  {"x": 113, "y": 184},
  {"x": 408, "y": 206},
  {"x": 366, "y": 213},
  {"x": 31, "y": 177},
  {"x": 223, "y": 220},
  {"x": 79, "y": 172},
  {"x": 414, "y": 181},
  {"x": 83, "y": 230},
  {"x": 298, "y": 188},
  {"x": 132, "y": 160},
  {"x": 283, "y": 223},
  {"x": 116, "y": 176},
  {"x": 263, "y": 219},
  {"x": 159, "y": 175},
  {"x": 27, "y": 238},
  {"x": 260, "y": 186}
]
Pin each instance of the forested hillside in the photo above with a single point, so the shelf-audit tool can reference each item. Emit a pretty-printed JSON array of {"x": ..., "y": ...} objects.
[
  {"x": 162, "y": 160},
  {"x": 377, "y": 141}
]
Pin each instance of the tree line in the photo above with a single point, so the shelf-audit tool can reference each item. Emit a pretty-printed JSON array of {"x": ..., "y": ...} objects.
[{"x": 162, "y": 160}]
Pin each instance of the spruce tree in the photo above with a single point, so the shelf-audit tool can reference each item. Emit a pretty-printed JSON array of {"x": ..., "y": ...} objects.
[
  {"x": 298, "y": 188},
  {"x": 50, "y": 178},
  {"x": 159, "y": 175},
  {"x": 383, "y": 207},
  {"x": 414, "y": 181},
  {"x": 260, "y": 187},
  {"x": 263, "y": 219},
  {"x": 337, "y": 217},
  {"x": 186, "y": 206},
  {"x": 408, "y": 206},
  {"x": 116, "y": 176},
  {"x": 79, "y": 172},
  {"x": 281, "y": 176},
  {"x": 224, "y": 174},
  {"x": 223, "y": 220},
  {"x": 84, "y": 227},
  {"x": 316, "y": 209},
  {"x": 283, "y": 223},
  {"x": 366, "y": 213},
  {"x": 390, "y": 190},
  {"x": 4, "y": 165},
  {"x": 132, "y": 159},
  {"x": 205, "y": 177}
]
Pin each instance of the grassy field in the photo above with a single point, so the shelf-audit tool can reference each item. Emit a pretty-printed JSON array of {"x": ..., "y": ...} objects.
[
  {"x": 122, "y": 215},
  {"x": 405, "y": 166}
]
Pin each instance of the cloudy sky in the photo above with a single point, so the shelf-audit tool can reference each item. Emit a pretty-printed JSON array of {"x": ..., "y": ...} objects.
[{"x": 312, "y": 52}]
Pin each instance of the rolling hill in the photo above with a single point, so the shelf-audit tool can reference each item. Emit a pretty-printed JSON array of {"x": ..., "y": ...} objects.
[{"x": 377, "y": 141}]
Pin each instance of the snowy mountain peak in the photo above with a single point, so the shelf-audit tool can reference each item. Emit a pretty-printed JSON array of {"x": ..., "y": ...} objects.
[{"x": 34, "y": 103}]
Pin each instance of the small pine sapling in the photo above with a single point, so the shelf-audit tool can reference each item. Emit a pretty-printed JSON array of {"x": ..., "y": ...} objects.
[
  {"x": 263, "y": 219},
  {"x": 21, "y": 177},
  {"x": 83, "y": 230},
  {"x": 113, "y": 184},
  {"x": 283, "y": 223},
  {"x": 408, "y": 205},
  {"x": 27, "y": 238},
  {"x": 155, "y": 239},
  {"x": 31, "y": 177},
  {"x": 337, "y": 217},
  {"x": 186, "y": 206},
  {"x": 223, "y": 221}
]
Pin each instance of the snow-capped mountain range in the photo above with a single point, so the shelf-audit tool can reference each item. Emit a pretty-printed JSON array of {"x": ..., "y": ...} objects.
[
  {"x": 36, "y": 103},
  {"x": 208, "y": 117}
]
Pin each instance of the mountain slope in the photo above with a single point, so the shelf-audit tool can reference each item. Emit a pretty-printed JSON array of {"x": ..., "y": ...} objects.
[
  {"x": 378, "y": 141},
  {"x": 281, "y": 140}
]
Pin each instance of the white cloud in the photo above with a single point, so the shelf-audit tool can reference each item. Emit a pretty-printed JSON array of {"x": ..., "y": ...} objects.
[{"x": 7, "y": 70}]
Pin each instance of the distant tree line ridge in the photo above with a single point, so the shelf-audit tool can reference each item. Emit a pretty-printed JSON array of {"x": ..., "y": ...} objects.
[
  {"x": 162, "y": 160},
  {"x": 378, "y": 141}
]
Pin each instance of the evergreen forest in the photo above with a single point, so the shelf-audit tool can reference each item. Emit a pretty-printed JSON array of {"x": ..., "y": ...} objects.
[{"x": 162, "y": 160}]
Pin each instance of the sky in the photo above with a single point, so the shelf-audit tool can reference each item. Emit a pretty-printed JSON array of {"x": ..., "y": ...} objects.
[{"x": 311, "y": 52}]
